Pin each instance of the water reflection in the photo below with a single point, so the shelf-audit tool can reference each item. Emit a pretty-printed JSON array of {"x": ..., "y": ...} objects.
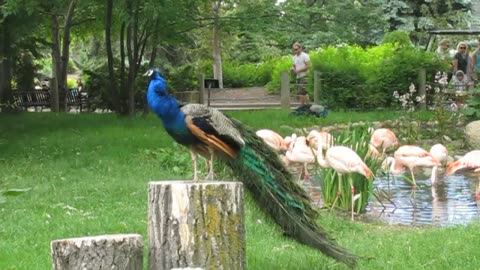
[{"x": 451, "y": 202}]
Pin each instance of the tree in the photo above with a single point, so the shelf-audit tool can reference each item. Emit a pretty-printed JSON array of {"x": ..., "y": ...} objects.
[
  {"x": 416, "y": 17},
  {"x": 60, "y": 49},
  {"x": 17, "y": 36}
]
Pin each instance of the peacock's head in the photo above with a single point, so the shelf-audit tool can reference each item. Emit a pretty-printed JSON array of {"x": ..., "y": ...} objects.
[
  {"x": 157, "y": 82},
  {"x": 152, "y": 72}
]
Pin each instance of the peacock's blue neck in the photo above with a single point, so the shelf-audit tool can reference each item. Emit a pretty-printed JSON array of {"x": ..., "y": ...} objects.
[{"x": 166, "y": 107}]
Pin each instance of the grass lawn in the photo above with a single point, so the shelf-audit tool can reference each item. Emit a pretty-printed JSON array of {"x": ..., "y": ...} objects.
[{"x": 89, "y": 175}]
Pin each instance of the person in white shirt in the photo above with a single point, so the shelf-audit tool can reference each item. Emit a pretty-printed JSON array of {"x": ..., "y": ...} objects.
[{"x": 300, "y": 67}]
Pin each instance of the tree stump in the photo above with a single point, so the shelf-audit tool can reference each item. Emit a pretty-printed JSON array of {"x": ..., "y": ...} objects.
[
  {"x": 197, "y": 225},
  {"x": 119, "y": 252}
]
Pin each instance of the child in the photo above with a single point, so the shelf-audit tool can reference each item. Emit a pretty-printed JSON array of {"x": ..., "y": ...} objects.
[
  {"x": 459, "y": 81},
  {"x": 460, "y": 86}
]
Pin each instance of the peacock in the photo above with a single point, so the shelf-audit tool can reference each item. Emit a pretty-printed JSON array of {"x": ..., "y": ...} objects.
[{"x": 208, "y": 132}]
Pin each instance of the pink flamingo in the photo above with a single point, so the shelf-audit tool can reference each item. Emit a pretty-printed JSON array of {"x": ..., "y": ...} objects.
[
  {"x": 320, "y": 136},
  {"x": 412, "y": 156},
  {"x": 384, "y": 139},
  {"x": 391, "y": 166},
  {"x": 300, "y": 152},
  {"x": 344, "y": 161},
  {"x": 471, "y": 161},
  {"x": 477, "y": 195},
  {"x": 440, "y": 153},
  {"x": 272, "y": 138}
]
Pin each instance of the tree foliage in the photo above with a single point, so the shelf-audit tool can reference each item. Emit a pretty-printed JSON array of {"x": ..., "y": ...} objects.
[
  {"x": 416, "y": 17},
  {"x": 177, "y": 36}
]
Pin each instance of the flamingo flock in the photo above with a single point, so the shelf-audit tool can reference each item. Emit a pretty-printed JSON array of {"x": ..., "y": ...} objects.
[{"x": 319, "y": 147}]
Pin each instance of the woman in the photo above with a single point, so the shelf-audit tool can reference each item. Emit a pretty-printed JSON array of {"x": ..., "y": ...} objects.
[{"x": 460, "y": 59}]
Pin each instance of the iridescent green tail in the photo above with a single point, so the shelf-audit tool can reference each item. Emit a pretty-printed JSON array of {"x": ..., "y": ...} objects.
[{"x": 274, "y": 189}]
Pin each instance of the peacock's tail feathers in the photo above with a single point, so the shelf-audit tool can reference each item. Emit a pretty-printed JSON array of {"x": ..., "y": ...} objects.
[{"x": 275, "y": 190}]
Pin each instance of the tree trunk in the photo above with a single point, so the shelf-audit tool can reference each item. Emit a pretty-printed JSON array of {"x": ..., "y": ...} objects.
[
  {"x": 121, "y": 252},
  {"x": 196, "y": 225},
  {"x": 56, "y": 63},
  {"x": 6, "y": 64},
  {"x": 122, "y": 109},
  {"x": 131, "y": 42},
  {"x": 60, "y": 58},
  {"x": 65, "y": 57},
  {"x": 5, "y": 67},
  {"x": 151, "y": 64},
  {"x": 108, "y": 43},
  {"x": 217, "y": 49}
]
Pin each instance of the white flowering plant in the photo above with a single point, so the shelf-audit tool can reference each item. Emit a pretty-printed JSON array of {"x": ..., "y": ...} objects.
[{"x": 445, "y": 115}]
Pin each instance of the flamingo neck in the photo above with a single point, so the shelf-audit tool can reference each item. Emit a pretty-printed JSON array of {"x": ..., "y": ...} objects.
[{"x": 320, "y": 158}]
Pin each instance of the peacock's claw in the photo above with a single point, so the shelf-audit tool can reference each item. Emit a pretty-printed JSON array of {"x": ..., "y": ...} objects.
[{"x": 210, "y": 176}]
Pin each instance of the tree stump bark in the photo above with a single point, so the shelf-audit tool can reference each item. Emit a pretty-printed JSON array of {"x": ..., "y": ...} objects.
[
  {"x": 119, "y": 252},
  {"x": 196, "y": 225}
]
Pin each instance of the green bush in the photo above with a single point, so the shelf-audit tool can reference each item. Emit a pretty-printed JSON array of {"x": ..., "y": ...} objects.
[
  {"x": 238, "y": 75},
  {"x": 353, "y": 77},
  {"x": 98, "y": 89},
  {"x": 397, "y": 72},
  {"x": 397, "y": 37},
  {"x": 472, "y": 110},
  {"x": 235, "y": 74},
  {"x": 346, "y": 72},
  {"x": 182, "y": 78},
  {"x": 71, "y": 83},
  {"x": 284, "y": 63}
]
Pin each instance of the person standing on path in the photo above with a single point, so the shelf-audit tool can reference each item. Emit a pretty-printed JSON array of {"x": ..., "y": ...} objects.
[{"x": 300, "y": 67}]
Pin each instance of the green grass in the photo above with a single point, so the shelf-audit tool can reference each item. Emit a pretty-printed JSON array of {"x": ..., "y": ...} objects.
[{"x": 89, "y": 175}]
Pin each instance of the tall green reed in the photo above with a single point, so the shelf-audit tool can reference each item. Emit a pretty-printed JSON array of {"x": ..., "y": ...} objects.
[{"x": 357, "y": 138}]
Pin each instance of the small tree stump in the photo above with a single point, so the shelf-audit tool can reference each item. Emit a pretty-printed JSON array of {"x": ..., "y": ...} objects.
[
  {"x": 119, "y": 252},
  {"x": 196, "y": 225}
]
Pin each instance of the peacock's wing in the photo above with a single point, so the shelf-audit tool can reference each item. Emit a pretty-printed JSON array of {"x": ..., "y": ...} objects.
[{"x": 213, "y": 128}]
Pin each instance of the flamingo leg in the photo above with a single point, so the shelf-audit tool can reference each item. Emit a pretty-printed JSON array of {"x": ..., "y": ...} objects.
[
  {"x": 306, "y": 175},
  {"x": 339, "y": 193},
  {"x": 413, "y": 178},
  {"x": 299, "y": 173}
]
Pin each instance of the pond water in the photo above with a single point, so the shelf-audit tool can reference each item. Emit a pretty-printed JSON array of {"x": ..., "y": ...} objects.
[{"x": 451, "y": 202}]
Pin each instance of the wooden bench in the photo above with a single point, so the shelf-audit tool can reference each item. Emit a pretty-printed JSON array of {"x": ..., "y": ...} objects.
[
  {"x": 42, "y": 99},
  {"x": 31, "y": 98},
  {"x": 76, "y": 98}
]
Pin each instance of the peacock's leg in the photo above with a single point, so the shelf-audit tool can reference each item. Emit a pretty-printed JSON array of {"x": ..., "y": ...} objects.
[
  {"x": 194, "y": 160},
  {"x": 210, "y": 175}
]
